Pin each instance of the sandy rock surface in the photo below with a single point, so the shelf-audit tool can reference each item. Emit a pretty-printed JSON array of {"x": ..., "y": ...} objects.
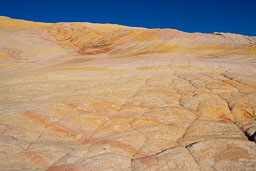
[{"x": 82, "y": 96}]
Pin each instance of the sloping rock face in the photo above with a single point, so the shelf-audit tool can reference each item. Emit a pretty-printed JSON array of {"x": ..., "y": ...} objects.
[{"x": 82, "y": 96}]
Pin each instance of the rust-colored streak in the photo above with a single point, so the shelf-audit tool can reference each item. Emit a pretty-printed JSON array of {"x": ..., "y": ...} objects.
[
  {"x": 92, "y": 51},
  {"x": 13, "y": 53},
  {"x": 227, "y": 119},
  {"x": 149, "y": 161},
  {"x": 72, "y": 130},
  {"x": 114, "y": 143},
  {"x": 37, "y": 116},
  {"x": 64, "y": 167},
  {"x": 247, "y": 115},
  {"x": 36, "y": 158},
  {"x": 60, "y": 125}
]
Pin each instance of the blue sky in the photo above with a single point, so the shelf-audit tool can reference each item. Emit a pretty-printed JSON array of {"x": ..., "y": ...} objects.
[{"x": 207, "y": 16}]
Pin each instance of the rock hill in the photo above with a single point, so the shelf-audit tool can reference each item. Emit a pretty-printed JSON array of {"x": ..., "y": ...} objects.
[{"x": 83, "y": 96}]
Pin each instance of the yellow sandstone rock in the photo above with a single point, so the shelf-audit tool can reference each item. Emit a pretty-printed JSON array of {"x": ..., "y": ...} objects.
[{"x": 83, "y": 96}]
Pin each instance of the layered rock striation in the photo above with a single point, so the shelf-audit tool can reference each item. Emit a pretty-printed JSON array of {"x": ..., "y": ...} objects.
[{"x": 83, "y": 96}]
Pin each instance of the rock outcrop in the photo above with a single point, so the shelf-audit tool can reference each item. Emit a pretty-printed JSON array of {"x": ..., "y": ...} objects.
[{"x": 83, "y": 96}]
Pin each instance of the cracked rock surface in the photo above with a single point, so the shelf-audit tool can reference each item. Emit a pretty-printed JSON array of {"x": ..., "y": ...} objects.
[{"x": 81, "y": 96}]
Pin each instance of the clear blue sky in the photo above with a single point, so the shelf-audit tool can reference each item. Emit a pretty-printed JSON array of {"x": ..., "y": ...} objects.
[{"x": 234, "y": 16}]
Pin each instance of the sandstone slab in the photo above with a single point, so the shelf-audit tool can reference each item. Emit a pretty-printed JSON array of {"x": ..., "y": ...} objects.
[{"x": 83, "y": 96}]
